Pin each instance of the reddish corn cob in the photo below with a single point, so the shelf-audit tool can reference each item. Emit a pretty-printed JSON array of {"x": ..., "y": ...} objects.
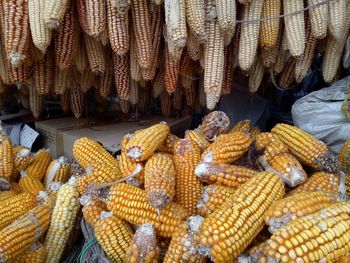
[
  {"x": 320, "y": 182},
  {"x": 239, "y": 218},
  {"x": 165, "y": 103},
  {"x": 62, "y": 81},
  {"x": 145, "y": 142},
  {"x": 160, "y": 180},
  {"x": 144, "y": 98},
  {"x": 77, "y": 101},
  {"x": 121, "y": 75},
  {"x": 16, "y": 31},
  {"x": 7, "y": 162},
  {"x": 344, "y": 157},
  {"x": 54, "y": 12},
  {"x": 287, "y": 77},
  {"x": 214, "y": 124},
  {"x": 80, "y": 58},
  {"x": 118, "y": 29},
  {"x": 92, "y": 208},
  {"x": 114, "y": 235},
  {"x": 188, "y": 186},
  {"x": 105, "y": 84},
  {"x": 58, "y": 171},
  {"x": 195, "y": 17},
  {"x": 190, "y": 95},
  {"x": 292, "y": 207},
  {"x": 29, "y": 184},
  {"x": 35, "y": 102},
  {"x": 213, "y": 196},
  {"x": 35, "y": 254},
  {"x": 66, "y": 38},
  {"x": 86, "y": 80},
  {"x": 19, "y": 76},
  {"x": 135, "y": 70},
  {"x": 143, "y": 247},
  {"x": 129, "y": 202},
  {"x": 228, "y": 69},
  {"x": 95, "y": 17},
  {"x": 142, "y": 31},
  {"x": 43, "y": 74},
  {"x": 171, "y": 72},
  {"x": 224, "y": 174},
  {"x": 269, "y": 30},
  {"x": 306, "y": 148},
  {"x": 41, "y": 162},
  {"x": 198, "y": 137},
  {"x": 96, "y": 55}
]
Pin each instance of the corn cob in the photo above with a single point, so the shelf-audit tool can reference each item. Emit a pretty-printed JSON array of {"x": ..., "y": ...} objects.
[
  {"x": 143, "y": 247},
  {"x": 77, "y": 101},
  {"x": 35, "y": 54},
  {"x": 22, "y": 158},
  {"x": 344, "y": 157},
  {"x": 130, "y": 202},
  {"x": 195, "y": 17},
  {"x": 16, "y": 31},
  {"x": 29, "y": 184},
  {"x": 192, "y": 44},
  {"x": 135, "y": 70},
  {"x": 144, "y": 98},
  {"x": 121, "y": 75},
  {"x": 224, "y": 174},
  {"x": 256, "y": 75},
  {"x": 294, "y": 26},
  {"x": 142, "y": 31},
  {"x": 266, "y": 138},
  {"x": 144, "y": 143},
  {"x": 35, "y": 254},
  {"x": 187, "y": 185},
  {"x": 54, "y": 12},
  {"x": 213, "y": 196},
  {"x": 92, "y": 208},
  {"x": 169, "y": 143},
  {"x": 181, "y": 245},
  {"x": 124, "y": 106},
  {"x": 274, "y": 148},
  {"x": 242, "y": 126},
  {"x": 66, "y": 38},
  {"x": 198, "y": 137},
  {"x": 226, "y": 12},
  {"x": 171, "y": 72},
  {"x": 40, "y": 164},
  {"x": 228, "y": 69},
  {"x": 63, "y": 218},
  {"x": 62, "y": 80},
  {"x": 176, "y": 34},
  {"x": 337, "y": 18},
  {"x": 132, "y": 171},
  {"x": 165, "y": 103},
  {"x": 320, "y": 182},
  {"x": 315, "y": 238},
  {"x": 160, "y": 180},
  {"x": 65, "y": 101},
  {"x": 95, "y": 54},
  {"x": 249, "y": 34},
  {"x": 95, "y": 17},
  {"x": 158, "y": 84},
  {"x": 80, "y": 58},
  {"x": 122, "y": 6},
  {"x": 35, "y": 101},
  {"x": 287, "y": 76},
  {"x": 214, "y": 64},
  {"x": 292, "y": 207},
  {"x": 86, "y": 80},
  {"x": 319, "y": 19},
  {"x": 239, "y": 218},
  {"x": 5, "y": 195},
  {"x": 303, "y": 63},
  {"x": 186, "y": 70},
  {"x": 19, "y": 76},
  {"x": 114, "y": 235},
  {"x": 43, "y": 74},
  {"x": 41, "y": 34},
  {"x": 4, "y": 69},
  {"x": 269, "y": 30},
  {"x": 177, "y": 99},
  {"x": 214, "y": 124},
  {"x": 14, "y": 207},
  {"x": 17, "y": 237},
  {"x": 134, "y": 92},
  {"x": 269, "y": 56},
  {"x": 58, "y": 171},
  {"x": 7, "y": 162},
  {"x": 306, "y": 148},
  {"x": 105, "y": 83},
  {"x": 118, "y": 29}
]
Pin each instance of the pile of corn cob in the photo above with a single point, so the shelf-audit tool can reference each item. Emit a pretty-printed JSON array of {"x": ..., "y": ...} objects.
[{"x": 68, "y": 49}]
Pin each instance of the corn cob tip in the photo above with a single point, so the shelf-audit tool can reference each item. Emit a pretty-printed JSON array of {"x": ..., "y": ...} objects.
[
  {"x": 158, "y": 199},
  {"x": 23, "y": 173},
  {"x": 208, "y": 158},
  {"x": 4, "y": 184},
  {"x": 146, "y": 229},
  {"x": 42, "y": 195},
  {"x": 54, "y": 186},
  {"x": 16, "y": 59},
  {"x": 24, "y": 152},
  {"x": 85, "y": 199},
  {"x": 194, "y": 223},
  {"x": 72, "y": 181},
  {"x": 328, "y": 162},
  {"x": 275, "y": 223},
  {"x": 201, "y": 169},
  {"x": 105, "y": 214},
  {"x": 134, "y": 153},
  {"x": 63, "y": 160}
]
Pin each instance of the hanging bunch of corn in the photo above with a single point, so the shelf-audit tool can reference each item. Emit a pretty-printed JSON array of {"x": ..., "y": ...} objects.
[
  {"x": 54, "y": 12},
  {"x": 62, "y": 80},
  {"x": 195, "y": 18},
  {"x": 36, "y": 102},
  {"x": 43, "y": 71},
  {"x": 95, "y": 54},
  {"x": 77, "y": 101},
  {"x": 121, "y": 75}
]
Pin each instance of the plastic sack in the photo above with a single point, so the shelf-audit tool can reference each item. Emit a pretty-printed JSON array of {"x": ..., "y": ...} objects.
[{"x": 319, "y": 113}]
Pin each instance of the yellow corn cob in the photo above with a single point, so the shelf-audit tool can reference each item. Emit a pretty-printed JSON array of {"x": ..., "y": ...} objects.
[
  {"x": 226, "y": 12},
  {"x": 7, "y": 162},
  {"x": 320, "y": 182},
  {"x": 96, "y": 55},
  {"x": 41, "y": 34},
  {"x": 86, "y": 151},
  {"x": 269, "y": 30},
  {"x": 35, "y": 254},
  {"x": 58, "y": 171},
  {"x": 195, "y": 18},
  {"x": 54, "y": 12},
  {"x": 143, "y": 247},
  {"x": 249, "y": 34},
  {"x": 198, "y": 137},
  {"x": 16, "y": 31},
  {"x": 320, "y": 237},
  {"x": 344, "y": 157},
  {"x": 265, "y": 138},
  {"x": 95, "y": 17},
  {"x": 30, "y": 184},
  {"x": 303, "y": 63},
  {"x": 239, "y": 218},
  {"x": 169, "y": 143},
  {"x": 228, "y": 69},
  {"x": 121, "y": 75},
  {"x": 306, "y": 148},
  {"x": 92, "y": 208},
  {"x": 5, "y": 195},
  {"x": 213, "y": 196},
  {"x": 294, "y": 26},
  {"x": 132, "y": 171},
  {"x": 144, "y": 143},
  {"x": 62, "y": 221},
  {"x": 242, "y": 126},
  {"x": 62, "y": 80},
  {"x": 80, "y": 58},
  {"x": 177, "y": 98},
  {"x": 160, "y": 180},
  {"x": 337, "y": 17},
  {"x": 77, "y": 101},
  {"x": 214, "y": 124},
  {"x": 18, "y": 237},
  {"x": 224, "y": 174},
  {"x": 319, "y": 19},
  {"x": 131, "y": 204},
  {"x": 35, "y": 101},
  {"x": 65, "y": 101},
  {"x": 176, "y": 33},
  {"x": 41, "y": 162},
  {"x": 118, "y": 30},
  {"x": 214, "y": 63},
  {"x": 256, "y": 75},
  {"x": 142, "y": 31},
  {"x": 274, "y": 148},
  {"x": 227, "y": 148},
  {"x": 187, "y": 185},
  {"x": 181, "y": 245},
  {"x": 66, "y": 38},
  {"x": 171, "y": 72},
  {"x": 114, "y": 235},
  {"x": 292, "y": 207},
  {"x": 43, "y": 74},
  {"x": 192, "y": 43}
]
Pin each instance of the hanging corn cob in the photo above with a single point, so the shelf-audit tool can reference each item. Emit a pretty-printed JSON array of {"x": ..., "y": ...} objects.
[
  {"x": 86, "y": 80},
  {"x": 269, "y": 30},
  {"x": 58, "y": 171},
  {"x": 43, "y": 74},
  {"x": 121, "y": 75},
  {"x": 134, "y": 92},
  {"x": 190, "y": 95},
  {"x": 105, "y": 83},
  {"x": 144, "y": 98},
  {"x": 54, "y": 12},
  {"x": 165, "y": 104},
  {"x": 192, "y": 44},
  {"x": 77, "y": 101},
  {"x": 256, "y": 75},
  {"x": 62, "y": 80},
  {"x": 319, "y": 18},
  {"x": 287, "y": 77},
  {"x": 226, "y": 12},
  {"x": 80, "y": 58},
  {"x": 95, "y": 17},
  {"x": 135, "y": 70},
  {"x": 35, "y": 101},
  {"x": 228, "y": 69},
  {"x": 177, "y": 99},
  {"x": 41, "y": 162},
  {"x": 337, "y": 17},
  {"x": 65, "y": 101},
  {"x": 171, "y": 71},
  {"x": 4, "y": 70},
  {"x": 195, "y": 18},
  {"x": 96, "y": 55}
]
